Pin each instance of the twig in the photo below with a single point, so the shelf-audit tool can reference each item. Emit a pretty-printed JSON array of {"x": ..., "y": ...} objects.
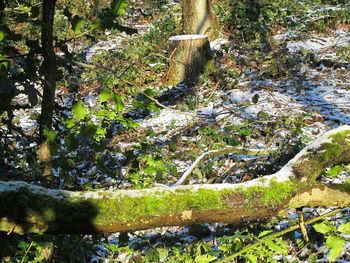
[{"x": 215, "y": 153}]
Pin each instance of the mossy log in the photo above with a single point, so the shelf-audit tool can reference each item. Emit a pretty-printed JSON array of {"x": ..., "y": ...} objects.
[
  {"x": 198, "y": 18},
  {"x": 26, "y": 208},
  {"x": 188, "y": 56}
]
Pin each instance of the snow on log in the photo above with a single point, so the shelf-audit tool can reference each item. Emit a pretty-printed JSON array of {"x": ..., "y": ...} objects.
[
  {"x": 26, "y": 208},
  {"x": 189, "y": 55}
]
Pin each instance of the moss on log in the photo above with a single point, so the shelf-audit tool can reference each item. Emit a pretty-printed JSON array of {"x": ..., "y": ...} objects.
[{"x": 26, "y": 208}]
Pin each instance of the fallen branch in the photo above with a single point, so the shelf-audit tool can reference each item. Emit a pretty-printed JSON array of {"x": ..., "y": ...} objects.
[
  {"x": 26, "y": 208},
  {"x": 216, "y": 153}
]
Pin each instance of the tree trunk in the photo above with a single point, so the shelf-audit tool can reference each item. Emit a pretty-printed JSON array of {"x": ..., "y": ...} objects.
[
  {"x": 50, "y": 73},
  {"x": 198, "y": 18},
  {"x": 26, "y": 208},
  {"x": 188, "y": 57}
]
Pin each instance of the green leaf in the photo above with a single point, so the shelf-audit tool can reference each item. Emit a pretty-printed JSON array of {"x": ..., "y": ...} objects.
[
  {"x": 204, "y": 258},
  {"x": 71, "y": 141},
  {"x": 163, "y": 253},
  {"x": 2, "y": 36},
  {"x": 344, "y": 228},
  {"x": 251, "y": 258},
  {"x": 255, "y": 98},
  {"x": 334, "y": 171},
  {"x": 324, "y": 227},
  {"x": 119, "y": 105},
  {"x": 263, "y": 115},
  {"x": 77, "y": 24},
  {"x": 50, "y": 135},
  {"x": 279, "y": 247},
  {"x": 119, "y": 7},
  {"x": 244, "y": 132},
  {"x": 336, "y": 246},
  {"x": 79, "y": 111},
  {"x": 105, "y": 95}
]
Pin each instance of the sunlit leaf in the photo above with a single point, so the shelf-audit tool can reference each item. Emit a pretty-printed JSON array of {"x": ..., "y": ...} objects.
[
  {"x": 77, "y": 24},
  {"x": 279, "y": 247},
  {"x": 119, "y": 105},
  {"x": 105, "y": 95},
  {"x": 204, "y": 259},
  {"x": 251, "y": 258},
  {"x": 334, "y": 171},
  {"x": 324, "y": 227},
  {"x": 336, "y": 246},
  {"x": 344, "y": 228},
  {"x": 2, "y": 36},
  {"x": 119, "y": 7},
  {"x": 79, "y": 111}
]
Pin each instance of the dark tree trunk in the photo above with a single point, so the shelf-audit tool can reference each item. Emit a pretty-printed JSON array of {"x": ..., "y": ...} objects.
[
  {"x": 50, "y": 73},
  {"x": 49, "y": 65}
]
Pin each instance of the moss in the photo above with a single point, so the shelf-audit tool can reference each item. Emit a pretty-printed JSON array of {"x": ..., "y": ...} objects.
[
  {"x": 125, "y": 208},
  {"x": 313, "y": 164},
  {"x": 345, "y": 186},
  {"x": 273, "y": 195}
]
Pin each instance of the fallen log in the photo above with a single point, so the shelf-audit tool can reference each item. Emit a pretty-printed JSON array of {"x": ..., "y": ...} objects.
[{"x": 26, "y": 208}]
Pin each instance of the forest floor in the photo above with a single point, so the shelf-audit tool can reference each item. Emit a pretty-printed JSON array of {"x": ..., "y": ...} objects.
[{"x": 276, "y": 101}]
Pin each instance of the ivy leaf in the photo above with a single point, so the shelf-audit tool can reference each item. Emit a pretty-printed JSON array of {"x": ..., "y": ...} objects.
[
  {"x": 119, "y": 105},
  {"x": 324, "y": 227},
  {"x": 263, "y": 115},
  {"x": 77, "y": 24},
  {"x": 255, "y": 98},
  {"x": 50, "y": 135},
  {"x": 119, "y": 7},
  {"x": 71, "y": 141},
  {"x": 105, "y": 95},
  {"x": 79, "y": 111},
  {"x": 2, "y": 36},
  {"x": 204, "y": 258},
  {"x": 336, "y": 246},
  {"x": 334, "y": 171},
  {"x": 344, "y": 228}
]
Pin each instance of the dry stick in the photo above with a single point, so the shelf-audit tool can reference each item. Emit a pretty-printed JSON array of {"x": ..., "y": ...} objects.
[
  {"x": 278, "y": 234},
  {"x": 215, "y": 153}
]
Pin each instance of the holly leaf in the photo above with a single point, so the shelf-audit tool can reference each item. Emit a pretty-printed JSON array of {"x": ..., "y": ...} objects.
[{"x": 79, "y": 111}]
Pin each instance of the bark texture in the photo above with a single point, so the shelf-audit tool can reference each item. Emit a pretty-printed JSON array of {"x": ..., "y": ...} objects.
[
  {"x": 189, "y": 55},
  {"x": 49, "y": 69},
  {"x": 198, "y": 18},
  {"x": 26, "y": 208}
]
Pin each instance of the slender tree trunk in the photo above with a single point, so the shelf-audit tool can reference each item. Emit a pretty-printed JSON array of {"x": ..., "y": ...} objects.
[
  {"x": 50, "y": 74},
  {"x": 198, "y": 18}
]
